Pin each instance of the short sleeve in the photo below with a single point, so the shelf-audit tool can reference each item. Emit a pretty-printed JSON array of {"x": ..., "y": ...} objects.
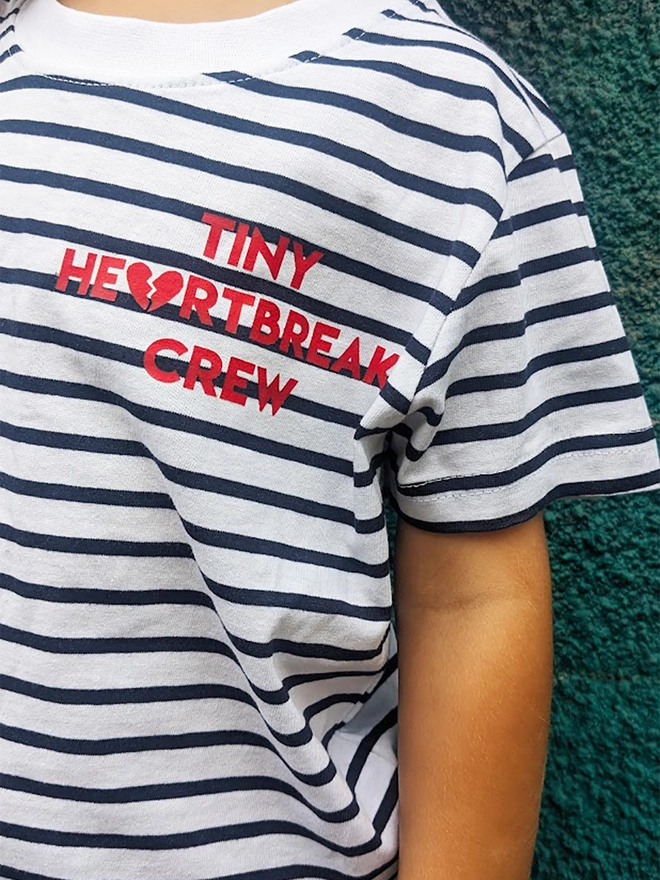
[{"x": 530, "y": 392}]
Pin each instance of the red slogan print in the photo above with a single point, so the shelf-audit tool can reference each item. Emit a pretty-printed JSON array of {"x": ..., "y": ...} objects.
[
  {"x": 205, "y": 366},
  {"x": 269, "y": 326},
  {"x": 152, "y": 294}
]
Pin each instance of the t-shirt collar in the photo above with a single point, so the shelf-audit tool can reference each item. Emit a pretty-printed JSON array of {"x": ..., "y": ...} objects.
[{"x": 64, "y": 41}]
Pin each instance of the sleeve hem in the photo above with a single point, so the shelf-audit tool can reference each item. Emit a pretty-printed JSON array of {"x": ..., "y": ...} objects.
[
  {"x": 644, "y": 482},
  {"x": 430, "y": 497}
]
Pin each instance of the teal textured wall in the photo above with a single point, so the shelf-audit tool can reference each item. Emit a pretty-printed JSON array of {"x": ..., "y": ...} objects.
[{"x": 596, "y": 63}]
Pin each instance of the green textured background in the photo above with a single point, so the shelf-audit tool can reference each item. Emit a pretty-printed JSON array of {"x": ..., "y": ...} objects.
[{"x": 596, "y": 63}]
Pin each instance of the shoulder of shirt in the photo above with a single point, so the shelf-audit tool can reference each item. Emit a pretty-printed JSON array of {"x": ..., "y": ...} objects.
[
  {"x": 427, "y": 40},
  {"x": 8, "y": 46},
  {"x": 448, "y": 51}
]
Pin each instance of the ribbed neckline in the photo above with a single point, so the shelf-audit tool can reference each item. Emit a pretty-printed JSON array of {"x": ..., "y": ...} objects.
[{"x": 61, "y": 41}]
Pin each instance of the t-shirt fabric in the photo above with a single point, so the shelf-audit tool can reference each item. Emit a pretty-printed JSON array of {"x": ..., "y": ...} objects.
[{"x": 256, "y": 276}]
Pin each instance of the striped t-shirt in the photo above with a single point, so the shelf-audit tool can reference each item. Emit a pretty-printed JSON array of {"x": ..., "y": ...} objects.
[{"x": 254, "y": 277}]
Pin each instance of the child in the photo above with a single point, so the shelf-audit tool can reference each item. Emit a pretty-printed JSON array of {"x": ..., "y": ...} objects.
[{"x": 257, "y": 273}]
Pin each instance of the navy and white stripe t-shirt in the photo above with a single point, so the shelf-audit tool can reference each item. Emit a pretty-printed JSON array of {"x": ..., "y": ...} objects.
[{"x": 254, "y": 276}]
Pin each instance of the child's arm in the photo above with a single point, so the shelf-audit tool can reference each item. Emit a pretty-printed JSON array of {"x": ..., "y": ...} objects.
[{"x": 474, "y": 622}]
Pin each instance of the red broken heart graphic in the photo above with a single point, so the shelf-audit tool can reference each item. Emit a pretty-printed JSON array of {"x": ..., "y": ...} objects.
[{"x": 153, "y": 293}]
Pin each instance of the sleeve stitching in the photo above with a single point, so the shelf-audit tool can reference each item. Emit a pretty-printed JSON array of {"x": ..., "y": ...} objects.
[{"x": 511, "y": 486}]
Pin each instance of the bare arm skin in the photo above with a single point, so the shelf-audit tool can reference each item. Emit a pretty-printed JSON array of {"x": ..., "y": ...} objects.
[{"x": 474, "y": 623}]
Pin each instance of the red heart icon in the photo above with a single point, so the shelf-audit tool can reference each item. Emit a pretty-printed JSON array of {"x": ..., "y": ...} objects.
[{"x": 152, "y": 294}]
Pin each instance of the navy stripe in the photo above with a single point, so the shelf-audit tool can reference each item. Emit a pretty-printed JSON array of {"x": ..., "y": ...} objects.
[
  {"x": 185, "y": 424},
  {"x": 366, "y": 748},
  {"x": 364, "y": 479},
  {"x": 301, "y": 555},
  {"x": 585, "y": 444},
  {"x": 593, "y": 488},
  {"x": 143, "y": 645},
  {"x": 195, "y": 479},
  {"x": 541, "y": 266},
  {"x": 86, "y": 494},
  {"x": 307, "y": 140},
  {"x": 431, "y": 82},
  {"x": 384, "y": 40},
  {"x": 190, "y": 598},
  {"x": 395, "y": 399},
  {"x": 259, "y": 495},
  {"x": 294, "y": 872},
  {"x": 125, "y": 355},
  {"x": 518, "y": 379},
  {"x": 12, "y": 50},
  {"x": 276, "y": 697},
  {"x": 386, "y": 809},
  {"x": 163, "y": 742},
  {"x": 234, "y": 595},
  {"x": 562, "y": 260},
  {"x": 182, "y": 840},
  {"x": 432, "y": 417},
  {"x": 95, "y": 546},
  {"x": 329, "y": 734},
  {"x": 85, "y": 596},
  {"x": 383, "y": 674},
  {"x": 542, "y": 163},
  {"x": 180, "y": 693},
  {"x": 255, "y": 177},
  {"x": 5, "y": 17},
  {"x": 125, "y": 696},
  {"x": 531, "y": 166},
  {"x": 520, "y": 144},
  {"x": 420, "y": 131},
  {"x": 174, "y": 791},
  {"x": 577, "y": 306},
  {"x": 516, "y": 329},
  {"x": 423, "y": 7},
  {"x": 183, "y": 644},
  {"x": 297, "y": 601},
  {"x": 82, "y": 443},
  {"x": 370, "y": 432},
  {"x": 566, "y": 163},
  {"x": 331, "y": 700},
  {"x": 177, "y": 208},
  {"x": 281, "y": 696},
  {"x": 517, "y": 141},
  {"x": 389, "y": 669},
  {"x": 416, "y": 350},
  {"x": 540, "y": 105},
  {"x": 396, "y": 16},
  {"x": 499, "y": 431},
  {"x": 538, "y": 216},
  {"x": 209, "y": 537},
  {"x": 305, "y": 649},
  {"x": 7, "y": 30},
  {"x": 185, "y": 262},
  {"x": 369, "y": 526}
]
